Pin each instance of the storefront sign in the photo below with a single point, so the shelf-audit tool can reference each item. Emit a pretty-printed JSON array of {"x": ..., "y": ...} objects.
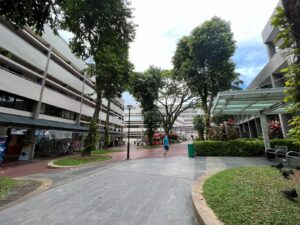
[{"x": 2, "y": 147}]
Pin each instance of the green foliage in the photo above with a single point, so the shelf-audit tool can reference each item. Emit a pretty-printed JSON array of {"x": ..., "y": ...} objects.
[
  {"x": 199, "y": 126},
  {"x": 152, "y": 120},
  {"x": 6, "y": 185},
  {"x": 203, "y": 60},
  {"x": 102, "y": 33},
  {"x": 32, "y": 13},
  {"x": 252, "y": 195},
  {"x": 100, "y": 152},
  {"x": 287, "y": 19},
  {"x": 175, "y": 97},
  {"x": 144, "y": 87},
  {"x": 218, "y": 119},
  {"x": 91, "y": 141},
  {"x": 239, "y": 147},
  {"x": 226, "y": 131},
  {"x": 77, "y": 160}
]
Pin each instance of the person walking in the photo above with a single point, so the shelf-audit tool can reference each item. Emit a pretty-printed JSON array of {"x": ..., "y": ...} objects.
[{"x": 166, "y": 145}]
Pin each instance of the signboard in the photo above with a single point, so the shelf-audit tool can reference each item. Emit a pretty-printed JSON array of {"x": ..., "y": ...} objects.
[
  {"x": 25, "y": 152},
  {"x": 3, "y": 146}
]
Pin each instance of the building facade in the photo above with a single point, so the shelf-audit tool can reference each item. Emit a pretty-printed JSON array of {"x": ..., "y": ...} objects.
[
  {"x": 43, "y": 90},
  {"x": 183, "y": 125},
  {"x": 269, "y": 77}
]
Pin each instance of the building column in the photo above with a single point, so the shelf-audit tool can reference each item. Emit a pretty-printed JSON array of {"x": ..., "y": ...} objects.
[
  {"x": 81, "y": 102},
  {"x": 263, "y": 122},
  {"x": 250, "y": 130},
  {"x": 244, "y": 130},
  {"x": 38, "y": 108},
  {"x": 271, "y": 49},
  {"x": 258, "y": 128},
  {"x": 284, "y": 121}
]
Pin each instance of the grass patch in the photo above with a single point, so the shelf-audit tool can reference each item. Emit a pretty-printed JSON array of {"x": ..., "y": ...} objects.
[
  {"x": 150, "y": 146},
  {"x": 252, "y": 195},
  {"x": 103, "y": 151},
  {"x": 80, "y": 160},
  {"x": 6, "y": 185}
]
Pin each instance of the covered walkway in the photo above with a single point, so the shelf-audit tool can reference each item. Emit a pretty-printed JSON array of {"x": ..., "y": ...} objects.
[{"x": 259, "y": 102}]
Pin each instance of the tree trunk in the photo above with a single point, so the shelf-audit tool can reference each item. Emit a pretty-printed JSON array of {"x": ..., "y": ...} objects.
[
  {"x": 106, "y": 129},
  {"x": 92, "y": 139}
]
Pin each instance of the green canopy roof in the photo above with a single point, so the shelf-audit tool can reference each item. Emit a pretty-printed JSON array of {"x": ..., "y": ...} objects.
[{"x": 250, "y": 102}]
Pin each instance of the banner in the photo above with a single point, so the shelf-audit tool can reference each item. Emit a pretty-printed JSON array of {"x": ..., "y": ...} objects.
[{"x": 3, "y": 146}]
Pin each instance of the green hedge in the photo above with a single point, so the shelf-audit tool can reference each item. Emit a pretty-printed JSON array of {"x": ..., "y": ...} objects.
[{"x": 239, "y": 147}]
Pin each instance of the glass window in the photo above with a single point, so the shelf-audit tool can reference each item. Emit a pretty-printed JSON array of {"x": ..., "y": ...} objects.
[{"x": 12, "y": 101}]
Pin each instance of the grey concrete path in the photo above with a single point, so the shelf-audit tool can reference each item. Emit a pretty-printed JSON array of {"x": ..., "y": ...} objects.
[{"x": 147, "y": 191}]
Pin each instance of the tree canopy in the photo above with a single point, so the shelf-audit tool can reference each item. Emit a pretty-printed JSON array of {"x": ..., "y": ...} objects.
[
  {"x": 102, "y": 33},
  {"x": 32, "y": 13},
  {"x": 175, "y": 97},
  {"x": 287, "y": 19},
  {"x": 203, "y": 60},
  {"x": 144, "y": 87}
]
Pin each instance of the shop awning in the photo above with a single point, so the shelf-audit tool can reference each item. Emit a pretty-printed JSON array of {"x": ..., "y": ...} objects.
[
  {"x": 250, "y": 102},
  {"x": 28, "y": 122}
]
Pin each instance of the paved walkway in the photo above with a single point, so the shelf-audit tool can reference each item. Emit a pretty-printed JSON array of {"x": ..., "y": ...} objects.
[
  {"x": 150, "y": 191},
  {"x": 27, "y": 168}
]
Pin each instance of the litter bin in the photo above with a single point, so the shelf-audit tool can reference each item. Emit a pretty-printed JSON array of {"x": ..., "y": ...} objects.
[{"x": 191, "y": 150}]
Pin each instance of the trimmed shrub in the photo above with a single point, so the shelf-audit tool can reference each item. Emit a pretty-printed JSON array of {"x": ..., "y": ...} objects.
[{"x": 239, "y": 147}]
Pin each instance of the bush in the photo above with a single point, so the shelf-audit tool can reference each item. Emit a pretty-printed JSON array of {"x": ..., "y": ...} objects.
[{"x": 239, "y": 147}]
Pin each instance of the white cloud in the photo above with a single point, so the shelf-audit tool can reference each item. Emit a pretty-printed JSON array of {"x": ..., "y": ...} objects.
[
  {"x": 162, "y": 23},
  {"x": 249, "y": 73}
]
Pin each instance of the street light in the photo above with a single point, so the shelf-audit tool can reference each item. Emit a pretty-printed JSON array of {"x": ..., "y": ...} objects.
[{"x": 129, "y": 107}]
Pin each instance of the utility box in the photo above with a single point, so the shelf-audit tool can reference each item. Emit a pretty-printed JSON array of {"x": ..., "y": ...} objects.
[{"x": 191, "y": 150}]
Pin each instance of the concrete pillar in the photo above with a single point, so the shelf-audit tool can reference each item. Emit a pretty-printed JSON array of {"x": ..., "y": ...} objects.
[
  {"x": 271, "y": 49},
  {"x": 81, "y": 102},
  {"x": 258, "y": 127},
  {"x": 263, "y": 122},
  {"x": 244, "y": 130},
  {"x": 37, "y": 111},
  {"x": 284, "y": 121},
  {"x": 240, "y": 131},
  {"x": 252, "y": 128}
]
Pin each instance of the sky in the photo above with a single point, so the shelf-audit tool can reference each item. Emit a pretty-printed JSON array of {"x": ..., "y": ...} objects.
[{"x": 161, "y": 23}]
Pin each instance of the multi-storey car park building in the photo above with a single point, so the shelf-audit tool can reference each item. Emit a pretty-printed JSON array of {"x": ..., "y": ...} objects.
[
  {"x": 183, "y": 125},
  {"x": 269, "y": 77},
  {"x": 44, "y": 94}
]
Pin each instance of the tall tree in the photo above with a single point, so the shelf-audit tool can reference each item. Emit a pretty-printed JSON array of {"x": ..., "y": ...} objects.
[
  {"x": 32, "y": 13},
  {"x": 102, "y": 32},
  {"x": 203, "y": 60},
  {"x": 174, "y": 98},
  {"x": 288, "y": 21},
  {"x": 144, "y": 87}
]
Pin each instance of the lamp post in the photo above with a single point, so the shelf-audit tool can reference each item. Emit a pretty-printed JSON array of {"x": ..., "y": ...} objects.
[{"x": 129, "y": 107}]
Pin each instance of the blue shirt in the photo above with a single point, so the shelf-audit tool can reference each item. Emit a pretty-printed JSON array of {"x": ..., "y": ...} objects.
[{"x": 166, "y": 141}]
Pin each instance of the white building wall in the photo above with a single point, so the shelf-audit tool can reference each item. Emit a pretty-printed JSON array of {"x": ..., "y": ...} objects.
[{"x": 26, "y": 53}]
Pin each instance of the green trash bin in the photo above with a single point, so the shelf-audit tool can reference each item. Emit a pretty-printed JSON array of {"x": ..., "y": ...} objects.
[{"x": 191, "y": 150}]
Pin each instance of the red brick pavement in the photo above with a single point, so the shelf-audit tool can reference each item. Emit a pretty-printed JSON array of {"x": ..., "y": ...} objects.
[{"x": 25, "y": 168}]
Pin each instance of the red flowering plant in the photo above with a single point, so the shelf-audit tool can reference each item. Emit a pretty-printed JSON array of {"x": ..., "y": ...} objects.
[
  {"x": 275, "y": 130},
  {"x": 226, "y": 131}
]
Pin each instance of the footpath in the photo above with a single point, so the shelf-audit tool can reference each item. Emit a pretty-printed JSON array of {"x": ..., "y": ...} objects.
[{"x": 27, "y": 168}]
